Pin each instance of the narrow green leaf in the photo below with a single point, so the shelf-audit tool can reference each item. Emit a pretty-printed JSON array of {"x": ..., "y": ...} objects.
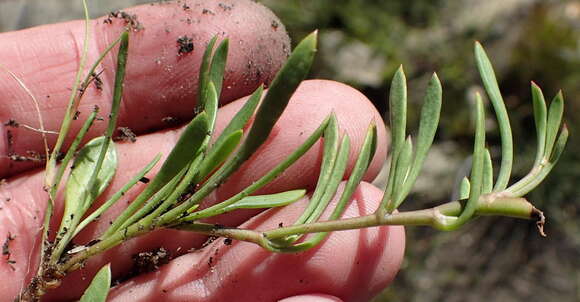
[
  {"x": 278, "y": 95},
  {"x": 218, "y": 154},
  {"x": 260, "y": 202},
  {"x": 334, "y": 180},
  {"x": 560, "y": 145},
  {"x": 491, "y": 87},
  {"x": 540, "y": 116},
  {"x": 184, "y": 151},
  {"x": 204, "y": 77},
  {"x": 218, "y": 66},
  {"x": 98, "y": 290},
  {"x": 398, "y": 117},
  {"x": 78, "y": 196},
  {"x": 464, "y": 188},
  {"x": 487, "y": 185},
  {"x": 476, "y": 178},
  {"x": 398, "y": 108},
  {"x": 555, "y": 114},
  {"x": 267, "y": 201},
  {"x": 329, "y": 158},
  {"x": 119, "y": 83}
]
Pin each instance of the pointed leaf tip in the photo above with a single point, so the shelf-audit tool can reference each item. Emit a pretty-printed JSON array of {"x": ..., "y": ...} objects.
[
  {"x": 312, "y": 39},
  {"x": 401, "y": 69}
]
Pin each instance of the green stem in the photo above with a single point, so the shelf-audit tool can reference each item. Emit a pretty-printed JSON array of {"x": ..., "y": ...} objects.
[
  {"x": 491, "y": 204},
  {"x": 502, "y": 206}
]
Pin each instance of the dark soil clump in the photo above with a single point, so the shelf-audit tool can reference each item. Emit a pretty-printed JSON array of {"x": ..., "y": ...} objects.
[{"x": 184, "y": 45}]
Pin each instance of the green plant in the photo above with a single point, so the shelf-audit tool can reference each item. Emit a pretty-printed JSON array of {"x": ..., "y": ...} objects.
[{"x": 196, "y": 167}]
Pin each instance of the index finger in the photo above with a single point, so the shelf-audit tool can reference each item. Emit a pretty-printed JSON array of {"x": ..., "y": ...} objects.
[{"x": 161, "y": 80}]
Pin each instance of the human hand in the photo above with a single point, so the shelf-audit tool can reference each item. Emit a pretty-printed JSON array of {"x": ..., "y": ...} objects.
[{"x": 161, "y": 83}]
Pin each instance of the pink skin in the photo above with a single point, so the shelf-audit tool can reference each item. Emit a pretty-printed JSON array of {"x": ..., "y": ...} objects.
[
  {"x": 330, "y": 272},
  {"x": 159, "y": 83}
]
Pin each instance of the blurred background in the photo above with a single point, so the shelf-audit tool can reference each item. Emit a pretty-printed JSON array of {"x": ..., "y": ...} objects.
[{"x": 363, "y": 42}]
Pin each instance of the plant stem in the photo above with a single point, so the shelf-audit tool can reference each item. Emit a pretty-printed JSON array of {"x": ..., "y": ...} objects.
[{"x": 490, "y": 204}]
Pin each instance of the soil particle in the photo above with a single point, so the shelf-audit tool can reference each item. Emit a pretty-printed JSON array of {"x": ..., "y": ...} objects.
[
  {"x": 206, "y": 11},
  {"x": 11, "y": 263},
  {"x": 145, "y": 262},
  {"x": 131, "y": 21},
  {"x": 225, "y": 7},
  {"x": 6, "y": 251},
  {"x": 126, "y": 135},
  {"x": 6, "y": 245},
  {"x": 185, "y": 6},
  {"x": 12, "y": 123},
  {"x": 228, "y": 241},
  {"x": 170, "y": 120},
  {"x": 97, "y": 80},
  {"x": 209, "y": 240},
  {"x": 32, "y": 156},
  {"x": 184, "y": 45},
  {"x": 275, "y": 25}
]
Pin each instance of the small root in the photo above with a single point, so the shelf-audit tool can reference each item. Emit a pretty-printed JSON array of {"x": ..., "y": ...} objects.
[{"x": 540, "y": 220}]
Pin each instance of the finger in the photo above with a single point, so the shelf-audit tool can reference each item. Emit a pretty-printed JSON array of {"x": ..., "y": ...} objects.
[
  {"x": 354, "y": 113},
  {"x": 351, "y": 265},
  {"x": 161, "y": 81}
]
